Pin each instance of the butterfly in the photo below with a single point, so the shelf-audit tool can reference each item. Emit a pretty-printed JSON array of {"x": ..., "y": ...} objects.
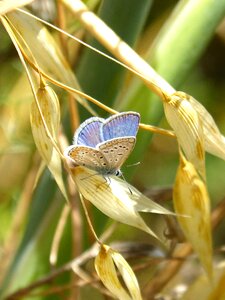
[{"x": 103, "y": 145}]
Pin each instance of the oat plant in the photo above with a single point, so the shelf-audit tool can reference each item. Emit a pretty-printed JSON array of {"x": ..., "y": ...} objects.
[{"x": 67, "y": 232}]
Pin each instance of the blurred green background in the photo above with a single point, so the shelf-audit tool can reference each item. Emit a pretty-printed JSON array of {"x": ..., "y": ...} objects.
[{"x": 185, "y": 42}]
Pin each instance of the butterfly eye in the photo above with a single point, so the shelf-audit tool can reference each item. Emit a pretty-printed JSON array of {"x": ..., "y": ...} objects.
[{"x": 118, "y": 173}]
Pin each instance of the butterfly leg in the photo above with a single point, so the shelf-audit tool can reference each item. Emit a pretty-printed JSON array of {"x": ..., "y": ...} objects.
[{"x": 129, "y": 189}]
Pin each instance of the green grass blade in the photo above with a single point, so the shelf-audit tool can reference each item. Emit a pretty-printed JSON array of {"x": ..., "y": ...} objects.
[
  {"x": 184, "y": 37},
  {"x": 35, "y": 246},
  {"x": 175, "y": 51}
]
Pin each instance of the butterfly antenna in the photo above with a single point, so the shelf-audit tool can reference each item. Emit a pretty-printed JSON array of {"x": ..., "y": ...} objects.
[{"x": 134, "y": 165}]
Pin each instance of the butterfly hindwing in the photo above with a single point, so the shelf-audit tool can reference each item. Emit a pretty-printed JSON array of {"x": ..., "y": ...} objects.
[
  {"x": 116, "y": 151},
  {"x": 121, "y": 125}
]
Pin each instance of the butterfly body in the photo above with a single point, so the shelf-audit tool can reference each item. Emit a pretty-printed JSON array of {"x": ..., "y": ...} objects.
[{"x": 103, "y": 145}]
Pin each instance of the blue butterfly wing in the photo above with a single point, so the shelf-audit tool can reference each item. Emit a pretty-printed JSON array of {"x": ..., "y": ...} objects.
[
  {"x": 89, "y": 133},
  {"x": 121, "y": 125}
]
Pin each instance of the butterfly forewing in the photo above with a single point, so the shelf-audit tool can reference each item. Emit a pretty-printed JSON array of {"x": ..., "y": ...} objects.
[
  {"x": 121, "y": 125},
  {"x": 89, "y": 132},
  {"x": 116, "y": 151},
  {"x": 89, "y": 157}
]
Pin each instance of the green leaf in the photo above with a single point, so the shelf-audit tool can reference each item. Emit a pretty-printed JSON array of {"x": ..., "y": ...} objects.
[{"x": 35, "y": 245}]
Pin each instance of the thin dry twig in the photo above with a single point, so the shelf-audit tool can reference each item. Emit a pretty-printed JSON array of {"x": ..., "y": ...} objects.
[
  {"x": 135, "y": 64},
  {"x": 172, "y": 267},
  {"x": 144, "y": 71},
  {"x": 20, "y": 53},
  {"x": 75, "y": 265},
  {"x": 87, "y": 255},
  {"x": 124, "y": 53},
  {"x": 157, "y": 283},
  {"x": 73, "y": 109},
  {"x": 148, "y": 127}
]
